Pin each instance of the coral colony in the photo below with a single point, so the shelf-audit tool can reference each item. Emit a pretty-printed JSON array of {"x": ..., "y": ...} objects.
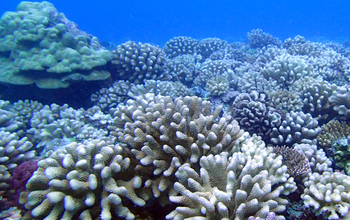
[{"x": 198, "y": 129}]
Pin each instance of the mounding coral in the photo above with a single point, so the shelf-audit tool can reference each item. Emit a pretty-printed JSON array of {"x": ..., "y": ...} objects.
[
  {"x": 39, "y": 45},
  {"x": 176, "y": 128}
]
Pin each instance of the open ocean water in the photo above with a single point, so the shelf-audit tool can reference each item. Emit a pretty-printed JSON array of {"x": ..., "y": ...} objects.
[
  {"x": 170, "y": 109},
  {"x": 158, "y": 21}
]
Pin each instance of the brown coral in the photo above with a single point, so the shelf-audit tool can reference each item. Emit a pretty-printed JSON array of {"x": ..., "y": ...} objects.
[
  {"x": 296, "y": 162},
  {"x": 332, "y": 131}
]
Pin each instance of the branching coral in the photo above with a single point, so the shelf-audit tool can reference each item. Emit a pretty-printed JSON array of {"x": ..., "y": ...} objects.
[
  {"x": 258, "y": 39},
  {"x": 210, "y": 69},
  {"x": 13, "y": 151},
  {"x": 334, "y": 139},
  {"x": 317, "y": 158},
  {"x": 208, "y": 46},
  {"x": 110, "y": 97},
  {"x": 299, "y": 46},
  {"x": 255, "y": 114},
  {"x": 248, "y": 183},
  {"x": 297, "y": 162},
  {"x": 137, "y": 62},
  {"x": 79, "y": 181},
  {"x": 315, "y": 93},
  {"x": 183, "y": 68},
  {"x": 286, "y": 69},
  {"x": 340, "y": 99},
  {"x": 181, "y": 45},
  {"x": 285, "y": 100},
  {"x": 332, "y": 131},
  {"x": 297, "y": 127},
  {"x": 328, "y": 194},
  {"x": 157, "y": 87},
  {"x": 165, "y": 133}
]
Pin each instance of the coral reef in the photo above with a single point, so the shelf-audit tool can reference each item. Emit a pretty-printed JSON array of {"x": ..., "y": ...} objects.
[
  {"x": 340, "y": 99},
  {"x": 328, "y": 194},
  {"x": 107, "y": 98},
  {"x": 180, "y": 46},
  {"x": 157, "y": 87},
  {"x": 17, "y": 184},
  {"x": 208, "y": 46},
  {"x": 248, "y": 183},
  {"x": 297, "y": 127},
  {"x": 74, "y": 181},
  {"x": 318, "y": 161},
  {"x": 137, "y": 62},
  {"x": 255, "y": 114},
  {"x": 286, "y": 69},
  {"x": 258, "y": 39},
  {"x": 164, "y": 134},
  {"x": 40, "y": 45},
  {"x": 13, "y": 151},
  {"x": 198, "y": 129},
  {"x": 332, "y": 131},
  {"x": 286, "y": 100},
  {"x": 297, "y": 162},
  {"x": 315, "y": 94},
  {"x": 184, "y": 68}
]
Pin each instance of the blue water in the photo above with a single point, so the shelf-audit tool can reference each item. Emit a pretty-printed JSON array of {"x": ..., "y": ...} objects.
[{"x": 157, "y": 21}]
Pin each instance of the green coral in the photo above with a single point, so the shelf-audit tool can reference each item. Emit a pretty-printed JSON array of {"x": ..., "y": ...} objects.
[
  {"x": 40, "y": 45},
  {"x": 342, "y": 153}
]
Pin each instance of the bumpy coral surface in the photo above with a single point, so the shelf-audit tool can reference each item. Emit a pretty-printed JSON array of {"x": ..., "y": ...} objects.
[
  {"x": 137, "y": 62},
  {"x": 165, "y": 133},
  {"x": 172, "y": 129},
  {"x": 13, "y": 151},
  {"x": 78, "y": 181},
  {"x": 40, "y": 45},
  {"x": 328, "y": 194},
  {"x": 181, "y": 45},
  {"x": 248, "y": 183}
]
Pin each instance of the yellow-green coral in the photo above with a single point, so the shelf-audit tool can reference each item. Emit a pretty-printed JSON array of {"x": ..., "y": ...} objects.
[{"x": 40, "y": 45}]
